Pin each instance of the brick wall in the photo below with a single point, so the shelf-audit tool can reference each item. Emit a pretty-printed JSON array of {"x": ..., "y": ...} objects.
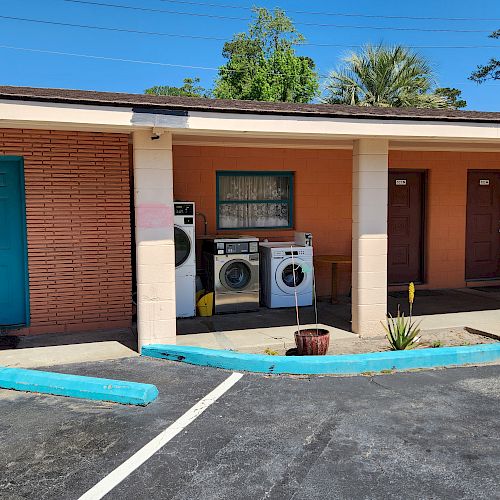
[{"x": 78, "y": 222}]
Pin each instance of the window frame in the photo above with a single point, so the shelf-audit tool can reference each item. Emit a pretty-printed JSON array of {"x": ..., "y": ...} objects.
[{"x": 256, "y": 173}]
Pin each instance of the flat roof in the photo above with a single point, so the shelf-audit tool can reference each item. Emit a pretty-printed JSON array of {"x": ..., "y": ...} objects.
[{"x": 154, "y": 104}]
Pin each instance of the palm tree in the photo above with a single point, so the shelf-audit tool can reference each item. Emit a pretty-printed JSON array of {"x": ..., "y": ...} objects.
[{"x": 385, "y": 77}]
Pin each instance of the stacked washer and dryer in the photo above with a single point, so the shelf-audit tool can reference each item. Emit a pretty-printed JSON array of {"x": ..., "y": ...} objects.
[{"x": 185, "y": 259}]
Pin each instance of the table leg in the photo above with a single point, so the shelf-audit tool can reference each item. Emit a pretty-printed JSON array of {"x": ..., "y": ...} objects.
[{"x": 334, "y": 283}]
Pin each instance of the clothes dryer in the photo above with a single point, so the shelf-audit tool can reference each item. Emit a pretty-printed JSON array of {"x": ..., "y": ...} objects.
[{"x": 185, "y": 259}]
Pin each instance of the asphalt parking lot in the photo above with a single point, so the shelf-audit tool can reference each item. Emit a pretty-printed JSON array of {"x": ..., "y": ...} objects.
[{"x": 422, "y": 435}]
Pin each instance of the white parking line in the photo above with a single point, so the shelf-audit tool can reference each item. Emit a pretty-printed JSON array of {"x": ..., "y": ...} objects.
[{"x": 114, "y": 478}]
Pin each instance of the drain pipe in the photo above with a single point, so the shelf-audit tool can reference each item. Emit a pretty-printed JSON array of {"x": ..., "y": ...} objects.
[{"x": 205, "y": 223}]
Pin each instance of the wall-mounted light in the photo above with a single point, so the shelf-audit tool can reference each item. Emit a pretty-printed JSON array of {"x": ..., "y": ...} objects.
[{"x": 156, "y": 133}]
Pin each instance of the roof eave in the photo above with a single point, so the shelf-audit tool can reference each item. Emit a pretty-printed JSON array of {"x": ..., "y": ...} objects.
[{"x": 182, "y": 110}]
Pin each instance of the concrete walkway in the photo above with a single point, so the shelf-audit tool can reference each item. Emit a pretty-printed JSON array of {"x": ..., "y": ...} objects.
[
  {"x": 478, "y": 309},
  {"x": 255, "y": 339},
  {"x": 37, "y": 357},
  {"x": 60, "y": 349},
  {"x": 485, "y": 321},
  {"x": 274, "y": 328}
]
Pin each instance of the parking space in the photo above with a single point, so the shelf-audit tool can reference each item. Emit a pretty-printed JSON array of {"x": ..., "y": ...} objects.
[
  {"x": 429, "y": 434},
  {"x": 54, "y": 447}
]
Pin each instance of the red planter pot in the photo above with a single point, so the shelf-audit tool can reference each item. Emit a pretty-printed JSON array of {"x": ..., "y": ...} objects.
[{"x": 312, "y": 342}]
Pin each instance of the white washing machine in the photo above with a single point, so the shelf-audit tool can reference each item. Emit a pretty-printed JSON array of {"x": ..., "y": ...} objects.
[
  {"x": 277, "y": 263},
  {"x": 185, "y": 259}
]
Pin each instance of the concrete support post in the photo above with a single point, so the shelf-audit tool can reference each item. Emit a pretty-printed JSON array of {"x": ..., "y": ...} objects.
[
  {"x": 154, "y": 233},
  {"x": 369, "y": 236}
]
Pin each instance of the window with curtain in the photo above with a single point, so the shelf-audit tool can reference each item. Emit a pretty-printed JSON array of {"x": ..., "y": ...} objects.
[{"x": 254, "y": 200}]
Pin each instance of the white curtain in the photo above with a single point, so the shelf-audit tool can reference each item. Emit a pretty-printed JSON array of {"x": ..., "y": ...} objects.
[{"x": 275, "y": 189}]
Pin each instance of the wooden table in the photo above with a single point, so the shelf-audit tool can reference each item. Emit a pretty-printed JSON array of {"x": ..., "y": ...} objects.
[{"x": 334, "y": 260}]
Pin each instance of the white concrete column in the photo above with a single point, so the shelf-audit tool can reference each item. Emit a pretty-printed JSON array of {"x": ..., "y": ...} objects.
[
  {"x": 369, "y": 236},
  {"x": 154, "y": 233}
]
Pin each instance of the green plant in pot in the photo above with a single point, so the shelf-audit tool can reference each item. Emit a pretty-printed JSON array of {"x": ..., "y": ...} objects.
[{"x": 402, "y": 332}]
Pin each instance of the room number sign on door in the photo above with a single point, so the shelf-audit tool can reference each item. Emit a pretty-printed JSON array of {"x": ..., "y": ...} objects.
[
  {"x": 484, "y": 182},
  {"x": 400, "y": 182}
]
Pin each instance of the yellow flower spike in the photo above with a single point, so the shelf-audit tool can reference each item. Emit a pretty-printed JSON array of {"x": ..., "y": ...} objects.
[
  {"x": 411, "y": 292},
  {"x": 411, "y": 297}
]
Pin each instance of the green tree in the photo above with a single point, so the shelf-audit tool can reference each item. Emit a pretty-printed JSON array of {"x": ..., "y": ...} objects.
[
  {"x": 190, "y": 88},
  {"x": 490, "y": 70},
  {"x": 453, "y": 95},
  {"x": 384, "y": 76},
  {"x": 262, "y": 64}
]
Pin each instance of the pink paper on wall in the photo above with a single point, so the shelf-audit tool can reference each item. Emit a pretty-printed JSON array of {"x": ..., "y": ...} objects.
[{"x": 154, "y": 215}]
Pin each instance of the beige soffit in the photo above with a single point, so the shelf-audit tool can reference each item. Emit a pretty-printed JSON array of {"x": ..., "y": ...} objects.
[
  {"x": 187, "y": 139},
  {"x": 15, "y": 113}
]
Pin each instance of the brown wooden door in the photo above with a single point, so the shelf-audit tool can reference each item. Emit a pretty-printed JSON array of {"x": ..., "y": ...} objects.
[
  {"x": 483, "y": 225},
  {"x": 405, "y": 227}
]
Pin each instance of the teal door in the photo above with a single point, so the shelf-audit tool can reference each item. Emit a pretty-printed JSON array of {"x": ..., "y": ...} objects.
[{"x": 14, "y": 303}]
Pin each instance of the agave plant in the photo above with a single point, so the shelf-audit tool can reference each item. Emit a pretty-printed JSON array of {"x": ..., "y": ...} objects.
[{"x": 402, "y": 333}]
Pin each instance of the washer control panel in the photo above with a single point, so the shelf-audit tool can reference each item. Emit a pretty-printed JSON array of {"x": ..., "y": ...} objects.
[
  {"x": 282, "y": 253},
  {"x": 239, "y": 247},
  {"x": 184, "y": 209}
]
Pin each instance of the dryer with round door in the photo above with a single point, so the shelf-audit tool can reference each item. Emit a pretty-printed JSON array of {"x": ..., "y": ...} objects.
[
  {"x": 232, "y": 265},
  {"x": 185, "y": 259},
  {"x": 286, "y": 268}
]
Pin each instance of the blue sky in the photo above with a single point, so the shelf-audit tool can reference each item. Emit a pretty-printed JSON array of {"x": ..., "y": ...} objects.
[{"x": 452, "y": 66}]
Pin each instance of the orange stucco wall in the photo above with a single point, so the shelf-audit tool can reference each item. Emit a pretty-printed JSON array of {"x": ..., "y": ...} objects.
[
  {"x": 322, "y": 202},
  {"x": 446, "y": 208},
  {"x": 322, "y": 193}
]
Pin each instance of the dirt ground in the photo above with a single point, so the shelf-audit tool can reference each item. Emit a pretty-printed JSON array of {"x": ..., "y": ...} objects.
[{"x": 430, "y": 338}]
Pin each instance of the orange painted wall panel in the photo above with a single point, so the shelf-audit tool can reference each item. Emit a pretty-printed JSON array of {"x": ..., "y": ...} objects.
[
  {"x": 323, "y": 190},
  {"x": 322, "y": 194},
  {"x": 446, "y": 208}
]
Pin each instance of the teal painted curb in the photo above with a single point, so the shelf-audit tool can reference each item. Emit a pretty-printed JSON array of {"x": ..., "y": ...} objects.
[
  {"x": 347, "y": 364},
  {"x": 76, "y": 386}
]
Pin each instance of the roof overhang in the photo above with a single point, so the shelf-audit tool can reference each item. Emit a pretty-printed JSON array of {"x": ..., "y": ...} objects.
[{"x": 65, "y": 116}]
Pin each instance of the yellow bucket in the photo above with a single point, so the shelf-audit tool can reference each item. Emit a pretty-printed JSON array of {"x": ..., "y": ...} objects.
[{"x": 206, "y": 305}]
